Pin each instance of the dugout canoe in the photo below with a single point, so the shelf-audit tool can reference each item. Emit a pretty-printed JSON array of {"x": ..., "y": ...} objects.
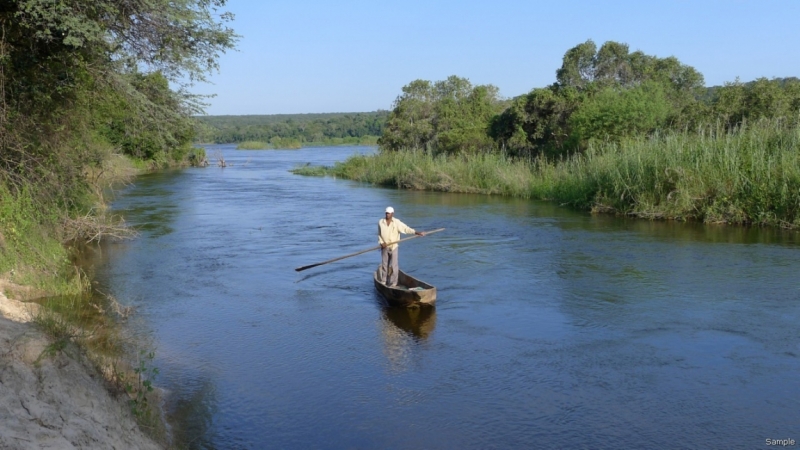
[{"x": 409, "y": 292}]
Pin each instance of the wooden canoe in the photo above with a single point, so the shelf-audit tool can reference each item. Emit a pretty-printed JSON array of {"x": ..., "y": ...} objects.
[{"x": 409, "y": 292}]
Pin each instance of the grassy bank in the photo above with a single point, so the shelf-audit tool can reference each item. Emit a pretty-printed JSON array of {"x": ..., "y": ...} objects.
[
  {"x": 294, "y": 144},
  {"x": 42, "y": 247},
  {"x": 252, "y": 145},
  {"x": 750, "y": 175},
  {"x": 29, "y": 253},
  {"x": 39, "y": 252}
]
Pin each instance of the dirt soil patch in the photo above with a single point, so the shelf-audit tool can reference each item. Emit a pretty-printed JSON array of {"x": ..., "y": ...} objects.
[{"x": 55, "y": 400}]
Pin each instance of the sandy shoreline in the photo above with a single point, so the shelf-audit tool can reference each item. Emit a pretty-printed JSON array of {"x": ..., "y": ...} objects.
[{"x": 59, "y": 401}]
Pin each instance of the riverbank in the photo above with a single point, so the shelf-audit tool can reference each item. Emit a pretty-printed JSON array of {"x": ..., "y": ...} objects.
[
  {"x": 746, "y": 176},
  {"x": 55, "y": 399}
]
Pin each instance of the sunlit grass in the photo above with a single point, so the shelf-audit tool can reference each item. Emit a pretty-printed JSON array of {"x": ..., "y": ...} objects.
[
  {"x": 488, "y": 174},
  {"x": 750, "y": 175},
  {"x": 252, "y": 145},
  {"x": 28, "y": 253}
]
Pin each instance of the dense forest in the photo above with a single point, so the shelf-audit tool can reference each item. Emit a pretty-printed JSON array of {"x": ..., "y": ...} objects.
[{"x": 298, "y": 129}]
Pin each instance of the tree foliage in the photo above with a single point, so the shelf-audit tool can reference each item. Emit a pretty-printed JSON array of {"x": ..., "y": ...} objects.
[
  {"x": 449, "y": 116},
  {"x": 736, "y": 102},
  {"x": 614, "y": 113},
  {"x": 604, "y": 93},
  {"x": 144, "y": 118},
  {"x": 174, "y": 37},
  {"x": 536, "y": 123},
  {"x": 600, "y": 94},
  {"x": 584, "y": 67},
  {"x": 78, "y": 75}
]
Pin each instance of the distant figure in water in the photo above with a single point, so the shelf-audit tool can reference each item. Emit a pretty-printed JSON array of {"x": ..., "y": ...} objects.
[{"x": 389, "y": 230}]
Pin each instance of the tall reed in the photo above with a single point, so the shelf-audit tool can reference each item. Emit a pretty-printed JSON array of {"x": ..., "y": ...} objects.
[
  {"x": 749, "y": 175},
  {"x": 484, "y": 173},
  {"x": 252, "y": 145}
]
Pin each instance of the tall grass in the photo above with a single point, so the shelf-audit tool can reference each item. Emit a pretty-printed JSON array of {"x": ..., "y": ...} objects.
[
  {"x": 252, "y": 145},
  {"x": 487, "y": 173},
  {"x": 29, "y": 254},
  {"x": 750, "y": 175},
  {"x": 294, "y": 144}
]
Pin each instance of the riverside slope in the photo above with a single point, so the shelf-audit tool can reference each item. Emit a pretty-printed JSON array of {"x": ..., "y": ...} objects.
[{"x": 58, "y": 402}]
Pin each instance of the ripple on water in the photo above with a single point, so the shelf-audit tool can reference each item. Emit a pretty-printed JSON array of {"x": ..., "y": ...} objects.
[{"x": 552, "y": 329}]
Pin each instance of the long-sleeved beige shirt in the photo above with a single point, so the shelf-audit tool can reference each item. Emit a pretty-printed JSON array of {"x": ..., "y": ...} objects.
[{"x": 390, "y": 232}]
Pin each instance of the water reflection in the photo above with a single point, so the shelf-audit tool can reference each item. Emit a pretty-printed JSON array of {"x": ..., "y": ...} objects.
[
  {"x": 153, "y": 202},
  {"x": 415, "y": 322},
  {"x": 404, "y": 330},
  {"x": 190, "y": 409},
  {"x": 675, "y": 231}
]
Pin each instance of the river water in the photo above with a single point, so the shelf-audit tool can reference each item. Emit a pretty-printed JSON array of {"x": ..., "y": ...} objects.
[{"x": 552, "y": 329}]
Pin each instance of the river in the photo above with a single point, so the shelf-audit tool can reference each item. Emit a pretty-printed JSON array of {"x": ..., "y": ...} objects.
[{"x": 553, "y": 328}]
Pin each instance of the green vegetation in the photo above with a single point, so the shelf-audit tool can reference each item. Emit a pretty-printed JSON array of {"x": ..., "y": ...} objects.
[
  {"x": 30, "y": 251},
  {"x": 75, "y": 96},
  {"x": 252, "y": 145},
  {"x": 487, "y": 173},
  {"x": 140, "y": 386},
  {"x": 275, "y": 142},
  {"x": 749, "y": 175},
  {"x": 288, "y": 143},
  {"x": 604, "y": 94},
  {"x": 449, "y": 116},
  {"x": 85, "y": 100},
  {"x": 294, "y": 130},
  {"x": 618, "y": 131}
]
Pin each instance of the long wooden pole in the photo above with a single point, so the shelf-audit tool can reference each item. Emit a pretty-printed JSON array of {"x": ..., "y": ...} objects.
[{"x": 300, "y": 269}]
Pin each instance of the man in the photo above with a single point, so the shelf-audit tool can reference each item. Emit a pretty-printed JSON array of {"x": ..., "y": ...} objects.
[{"x": 389, "y": 230}]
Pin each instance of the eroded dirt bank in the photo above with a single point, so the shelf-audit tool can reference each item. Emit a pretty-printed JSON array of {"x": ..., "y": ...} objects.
[{"x": 55, "y": 401}]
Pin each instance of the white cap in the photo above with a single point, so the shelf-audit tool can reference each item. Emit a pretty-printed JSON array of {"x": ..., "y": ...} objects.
[{"x": 389, "y": 209}]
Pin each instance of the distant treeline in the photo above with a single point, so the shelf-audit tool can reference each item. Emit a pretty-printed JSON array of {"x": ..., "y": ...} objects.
[{"x": 280, "y": 130}]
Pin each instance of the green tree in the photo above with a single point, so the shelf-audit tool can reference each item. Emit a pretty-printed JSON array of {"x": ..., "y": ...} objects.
[
  {"x": 614, "y": 113},
  {"x": 410, "y": 124},
  {"x": 448, "y": 116},
  {"x": 578, "y": 66},
  {"x": 537, "y": 123},
  {"x": 612, "y": 65},
  {"x": 62, "y": 61},
  {"x": 462, "y": 116},
  {"x": 148, "y": 122},
  {"x": 737, "y": 102},
  {"x": 660, "y": 92}
]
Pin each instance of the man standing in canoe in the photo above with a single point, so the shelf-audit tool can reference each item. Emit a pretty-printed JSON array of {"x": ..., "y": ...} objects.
[{"x": 389, "y": 230}]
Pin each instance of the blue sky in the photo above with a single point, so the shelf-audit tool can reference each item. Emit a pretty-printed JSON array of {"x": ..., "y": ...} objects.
[{"x": 310, "y": 56}]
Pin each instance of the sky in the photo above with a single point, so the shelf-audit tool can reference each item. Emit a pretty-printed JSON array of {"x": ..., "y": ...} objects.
[{"x": 313, "y": 56}]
